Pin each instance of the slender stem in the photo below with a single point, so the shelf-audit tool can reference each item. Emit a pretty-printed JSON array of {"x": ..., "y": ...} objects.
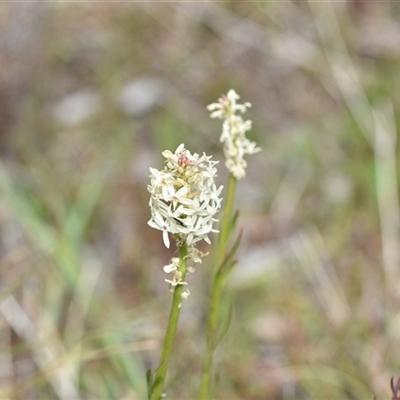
[
  {"x": 159, "y": 378},
  {"x": 216, "y": 291},
  {"x": 226, "y": 219}
]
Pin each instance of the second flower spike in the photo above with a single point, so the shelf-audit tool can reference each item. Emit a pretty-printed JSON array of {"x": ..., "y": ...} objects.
[{"x": 234, "y": 129}]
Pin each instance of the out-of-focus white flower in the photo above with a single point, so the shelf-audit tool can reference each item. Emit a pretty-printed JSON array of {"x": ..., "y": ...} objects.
[
  {"x": 173, "y": 266},
  {"x": 183, "y": 202},
  {"x": 176, "y": 280},
  {"x": 227, "y": 106},
  {"x": 185, "y": 294},
  {"x": 196, "y": 255},
  {"x": 234, "y": 129}
]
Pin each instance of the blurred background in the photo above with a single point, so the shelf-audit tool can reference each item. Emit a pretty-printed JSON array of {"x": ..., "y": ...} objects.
[{"x": 92, "y": 93}]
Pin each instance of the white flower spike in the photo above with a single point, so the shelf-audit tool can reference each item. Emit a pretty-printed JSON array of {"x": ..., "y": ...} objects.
[
  {"x": 183, "y": 202},
  {"x": 234, "y": 129}
]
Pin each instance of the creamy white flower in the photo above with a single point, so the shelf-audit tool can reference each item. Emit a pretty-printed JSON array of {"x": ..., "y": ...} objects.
[
  {"x": 183, "y": 202},
  {"x": 227, "y": 106},
  {"x": 158, "y": 222},
  {"x": 175, "y": 282},
  {"x": 195, "y": 255},
  {"x": 234, "y": 129},
  {"x": 173, "y": 266},
  {"x": 185, "y": 294},
  {"x": 184, "y": 198}
]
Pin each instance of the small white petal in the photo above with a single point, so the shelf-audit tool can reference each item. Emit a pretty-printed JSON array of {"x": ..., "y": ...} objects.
[
  {"x": 166, "y": 239},
  {"x": 179, "y": 148},
  {"x": 185, "y": 294}
]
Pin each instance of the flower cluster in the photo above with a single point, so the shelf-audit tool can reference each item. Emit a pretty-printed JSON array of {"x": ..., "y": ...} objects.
[
  {"x": 234, "y": 129},
  {"x": 183, "y": 202}
]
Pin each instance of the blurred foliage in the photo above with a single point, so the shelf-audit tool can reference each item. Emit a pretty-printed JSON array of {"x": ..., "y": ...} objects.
[{"x": 91, "y": 93}]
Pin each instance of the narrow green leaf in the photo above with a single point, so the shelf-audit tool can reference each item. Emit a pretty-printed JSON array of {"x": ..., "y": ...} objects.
[
  {"x": 225, "y": 324},
  {"x": 149, "y": 379},
  {"x": 233, "y": 223},
  {"x": 228, "y": 268},
  {"x": 228, "y": 257}
]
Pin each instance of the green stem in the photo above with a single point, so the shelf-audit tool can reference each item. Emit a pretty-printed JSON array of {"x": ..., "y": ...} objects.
[
  {"x": 161, "y": 372},
  {"x": 226, "y": 220},
  {"x": 216, "y": 291}
]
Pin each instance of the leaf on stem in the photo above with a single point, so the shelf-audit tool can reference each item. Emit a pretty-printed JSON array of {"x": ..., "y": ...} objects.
[
  {"x": 233, "y": 224},
  {"x": 149, "y": 380},
  {"x": 226, "y": 322},
  {"x": 226, "y": 265}
]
